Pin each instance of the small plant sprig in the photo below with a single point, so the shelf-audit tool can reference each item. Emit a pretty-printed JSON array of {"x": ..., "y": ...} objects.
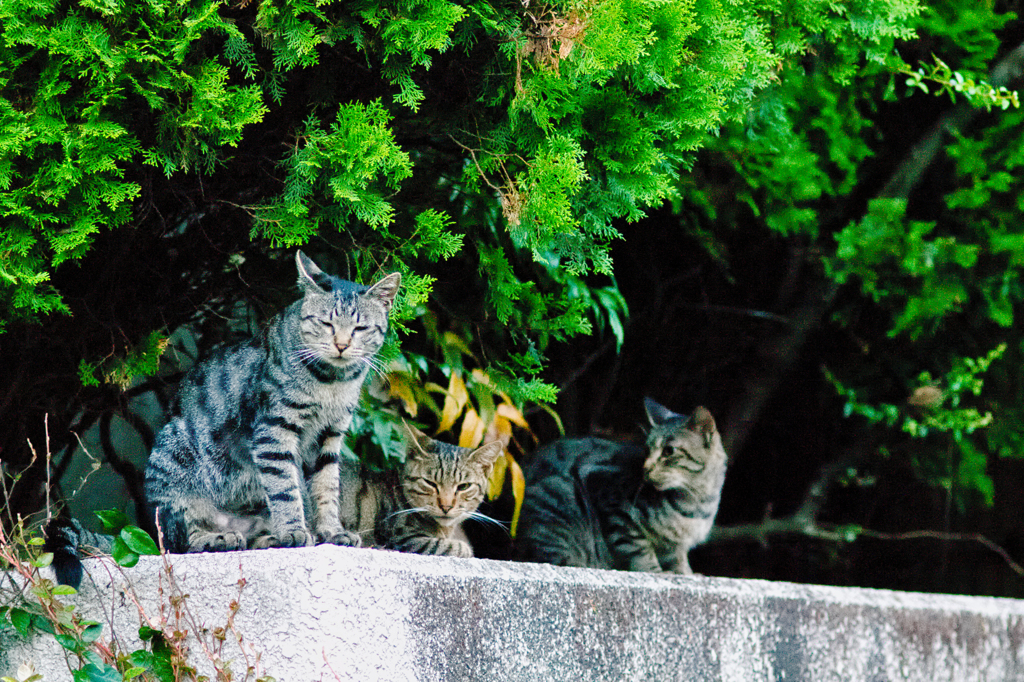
[
  {"x": 33, "y": 604},
  {"x": 935, "y": 408},
  {"x": 977, "y": 92}
]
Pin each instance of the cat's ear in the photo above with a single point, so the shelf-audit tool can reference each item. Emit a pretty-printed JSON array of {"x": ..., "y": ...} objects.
[
  {"x": 419, "y": 444},
  {"x": 311, "y": 276},
  {"x": 658, "y": 414},
  {"x": 486, "y": 455},
  {"x": 703, "y": 423},
  {"x": 385, "y": 290}
]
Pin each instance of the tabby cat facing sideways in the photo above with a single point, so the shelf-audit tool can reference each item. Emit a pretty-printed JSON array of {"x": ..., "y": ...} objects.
[
  {"x": 592, "y": 502},
  {"x": 421, "y": 507}
]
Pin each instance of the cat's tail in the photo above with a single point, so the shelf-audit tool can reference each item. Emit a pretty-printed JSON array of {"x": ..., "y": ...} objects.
[
  {"x": 66, "y": 539},
  {"x": 591, "y": 544}
]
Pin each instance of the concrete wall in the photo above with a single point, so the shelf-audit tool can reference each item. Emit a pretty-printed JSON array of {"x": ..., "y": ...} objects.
[{"x": 330, "y": 613}]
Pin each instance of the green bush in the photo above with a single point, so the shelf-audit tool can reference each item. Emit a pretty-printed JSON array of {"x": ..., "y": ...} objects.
[{"x": 402, "y": 130}]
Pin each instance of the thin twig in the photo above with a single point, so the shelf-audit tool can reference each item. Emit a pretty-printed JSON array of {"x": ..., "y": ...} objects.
[
  {"x": 328, "y": 664},
  {"x": 946, "y": 537},
  {"x": 46, "y": 428}
]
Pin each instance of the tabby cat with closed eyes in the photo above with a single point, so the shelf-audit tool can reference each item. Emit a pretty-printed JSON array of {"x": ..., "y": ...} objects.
[
  {"x": 591, "y": 502},
  {"x": 421, "y": 507},
  {"x": 249, "y": 458}
]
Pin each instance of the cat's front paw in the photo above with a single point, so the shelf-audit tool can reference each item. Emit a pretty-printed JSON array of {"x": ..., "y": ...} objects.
[
  {"x": 217, "y": 542},
  {"x": 455, "y": 548},
  {"x": 340, "y": 537},
  {"x": 298, "y": 537}
]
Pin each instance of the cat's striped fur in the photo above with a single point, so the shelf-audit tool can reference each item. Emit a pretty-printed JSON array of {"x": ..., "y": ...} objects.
[
  {"x": 421, "y": 507},
  {"x": 250, "y": 455},
  {"x": 596, "y": 503}
]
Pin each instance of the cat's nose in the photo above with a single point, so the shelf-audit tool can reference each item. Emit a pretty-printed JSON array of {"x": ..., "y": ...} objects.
[
  {"x": 445, "y": 508},
  {"x": 651, "y": 463}
]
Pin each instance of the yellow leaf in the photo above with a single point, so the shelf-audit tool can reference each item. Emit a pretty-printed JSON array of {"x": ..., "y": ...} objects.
[
  {"x": 512, "y": 413},
  {"x": 499, "y": 429},
  {"x": 401, "y": 388},
  {"x": 455, "y": 399},
  {"x": 497, "y": 481},
  {"x": 518, "y": 490},
  {"x": 472, "y": 429},
  {"x": 453, "y": 340}
]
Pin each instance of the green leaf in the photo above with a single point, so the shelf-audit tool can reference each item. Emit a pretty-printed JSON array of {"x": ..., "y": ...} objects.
[
  {"x": 63, "y": 590},
  {"x": 113, "y": 520},
  {"x": 94, "y": 673},
  {"x": 92, "y": 656},
  {"x": 43, "y": 560},
  {"x": 139, "y": 541},
  {"x": 42, "y": 624},
  {"x": 69, "y": 642},
  {"x": 21, "y": 620},
  {"x": 92, "y": 631},
  {"x": 147, "y": 633},
  {"x": 122, "y": 554},
  {"x": 158, "y": 661}
]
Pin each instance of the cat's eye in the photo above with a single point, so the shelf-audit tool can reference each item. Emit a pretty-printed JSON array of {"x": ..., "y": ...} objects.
[
  {"x": 681, "y": 454},
  {"x": 463, "y": 487},
  {"x": 410, "y": 480},
  {"x": 361, "y": 328},
  {"x": 681, "y": 458}
]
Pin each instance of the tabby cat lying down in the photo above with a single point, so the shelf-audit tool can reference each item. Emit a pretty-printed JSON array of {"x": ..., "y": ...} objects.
[
  {"x": 592, "y": 502},
  {"x": 420, "y": 508}
]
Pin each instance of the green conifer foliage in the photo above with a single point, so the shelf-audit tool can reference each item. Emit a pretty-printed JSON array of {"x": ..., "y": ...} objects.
[
  {"x": 88, "y": 91},
  {"x": 401, "y": 131}
]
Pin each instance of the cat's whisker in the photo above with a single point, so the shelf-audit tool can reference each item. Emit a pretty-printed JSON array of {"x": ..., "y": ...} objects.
[
  {"x": 375, "y": 364},
  {"x": 402, "y": 512},
  {"x": 483, "y": 518},
  {"x": 305, "y": 354}
]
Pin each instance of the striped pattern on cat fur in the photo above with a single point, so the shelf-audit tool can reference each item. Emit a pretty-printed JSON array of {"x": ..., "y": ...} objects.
[
  {"x": 250, "y": 455},
  {"x": 595, "y": 503},
  {"x": 421, "y": 507}
]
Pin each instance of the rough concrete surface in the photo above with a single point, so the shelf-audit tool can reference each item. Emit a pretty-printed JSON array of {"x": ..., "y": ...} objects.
[{"x": 330, "y": 613}]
